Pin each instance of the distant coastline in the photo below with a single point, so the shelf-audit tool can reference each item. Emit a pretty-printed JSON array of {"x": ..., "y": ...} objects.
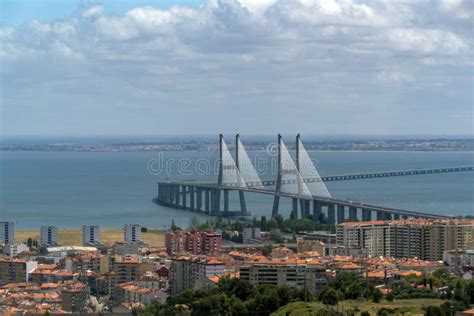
[{"x": 377, "y": 145}]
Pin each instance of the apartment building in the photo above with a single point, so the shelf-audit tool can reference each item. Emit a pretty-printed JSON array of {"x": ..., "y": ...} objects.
[
  {"x": 90, "y": 235},
  {"x": 15, "y": 270},
  {"x": 291, "y": 272},
  {"x": 7, "y": 232},
  {"x": 92, "y": 261},
  {"x": 49, "y": 236},
  {"x": 424, "y": 239},
  {"x": 194, "y": 242},
  {"x": 74, "y": 298},
  {"x": 252, "y": 235},
  {"x": 186, "y": 271},
  {"x": 132, "y": 233}
]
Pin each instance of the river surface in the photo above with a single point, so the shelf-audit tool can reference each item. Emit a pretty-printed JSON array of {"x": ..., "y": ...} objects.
[{"x": 69, "y": 189}]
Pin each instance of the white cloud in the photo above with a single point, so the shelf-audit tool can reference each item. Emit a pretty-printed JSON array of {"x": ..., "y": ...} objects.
[{"x": 150, "y": 63}]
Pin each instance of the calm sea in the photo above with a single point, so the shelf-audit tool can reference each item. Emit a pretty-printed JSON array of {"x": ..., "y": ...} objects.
[{"x": 69, "y": 189}]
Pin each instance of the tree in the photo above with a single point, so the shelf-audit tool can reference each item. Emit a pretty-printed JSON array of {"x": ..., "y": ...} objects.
[
  {"x": 173, "y": 226},
  {"x": 433, "y": 311},
  {"x": 267, "y": 250},
  {"x": 364, "y": 313},
  {"x": 276, "y": 236},
  {"x": 329, "y": 297},
  {"x": 376, "y": 296},
  {"x": 29, "y": 242},
  {"x": 390, "y": 297},
  {"x": 279, "y": 219},
  {"x": 458, "y": 294},
  {"x": 193, "y": 223}
]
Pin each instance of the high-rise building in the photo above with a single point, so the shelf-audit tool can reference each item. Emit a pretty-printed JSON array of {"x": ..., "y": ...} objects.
[
  {"x": 90, "y": 235},
  {"x": 7, "y": 232},
  {"x": 424, "y": 239},
  {"x": 49, "y": 235},
  {"x": 132, "y": 232}
]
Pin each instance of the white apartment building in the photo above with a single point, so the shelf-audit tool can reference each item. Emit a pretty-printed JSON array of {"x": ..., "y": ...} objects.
[
  {"x": 7, "y": 232},
  {"x": 90, "y": 235},
  {"x": 49, "y": 236},
  {"x": 251, "y": 235},
  {"x": 13, "y": 249},
  {"x": 132, "y": 232}
]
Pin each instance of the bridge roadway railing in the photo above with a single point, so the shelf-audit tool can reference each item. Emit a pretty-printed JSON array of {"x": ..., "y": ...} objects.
[{"x": 194, "y": 186}]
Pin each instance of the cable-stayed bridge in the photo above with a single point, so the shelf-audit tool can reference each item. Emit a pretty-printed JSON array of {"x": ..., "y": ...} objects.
[{"x": 297, "y": 179}]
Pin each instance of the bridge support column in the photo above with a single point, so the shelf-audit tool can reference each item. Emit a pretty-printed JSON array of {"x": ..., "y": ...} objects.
[
  {"x": 306, "y": 212},
  {"x": 192, "y": 198},
  {"x": 207, "y": 198},
  {"x": 396, "y": 216},
  {"x": 226, "y": 202},
  {"x": 388, "y": 216},
  {"x": 176, "y": 195},
  {"x": 332, "y": 214},
  {"x": 243, "y": 205},
  {"x": 294, "y": 208},
  {"x": 317, "y": 211},
  {"x": 405, "y": 216},
  {"x": 366, "y": 215},
  {"x": 199, "y": 199},
  {"x": 380, "y": 216},
  {"x": 352, "y": 214},
  {"x": 340, "y": 214},
  {"x": 183, "y": 192}
]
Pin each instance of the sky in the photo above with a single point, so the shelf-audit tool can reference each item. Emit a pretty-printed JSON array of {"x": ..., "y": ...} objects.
[{"x": 195, "y": 67}]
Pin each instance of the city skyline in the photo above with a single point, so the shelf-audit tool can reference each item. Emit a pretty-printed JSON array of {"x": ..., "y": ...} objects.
[{"x": 332, "y": 67}]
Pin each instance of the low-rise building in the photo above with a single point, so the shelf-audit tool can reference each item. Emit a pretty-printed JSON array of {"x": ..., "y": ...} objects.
[
  {"x": 15, "y": 270},
  {"x": 309, "y": 274},
  {"x": 13, "y": 249}
]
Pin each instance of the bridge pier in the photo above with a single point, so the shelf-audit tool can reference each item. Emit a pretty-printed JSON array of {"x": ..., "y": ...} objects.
[
  {"x": 388, "y": 216},
  {"x": 294, "y": 208},
  {"x": 317, "y": 211},
  {"x": 183, "y": 192},
  {"x": 332, "y": 214},
  {"x": 226, "y": 203},
  {"x": 191, "y": 198},
  {"x": 380, "y": 216},
  {"x": 396, "y": 216},
  {"x": 176, "y": 195},
  {"x": 207, "y": 198},
  {"x": 340, "y": 214},
  {"x": 243, "y": 205},
  {"x": 352, "y": 214},
  {"x": 366, "y": 215},
  {"x": 199, "y": 199}
]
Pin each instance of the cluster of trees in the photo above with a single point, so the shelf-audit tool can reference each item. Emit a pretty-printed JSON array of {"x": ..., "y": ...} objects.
[
  {"x": 239, "y": 297},
  {"x": 231, "y": 297},
  {"x": 274, "y": 226},
  {"x": 347, "y": 286}
]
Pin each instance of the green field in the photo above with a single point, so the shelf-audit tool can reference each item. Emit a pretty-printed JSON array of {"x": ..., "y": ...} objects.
[
  {"x": 406, "y": 307},
  {"x": 73, "y": 236}
]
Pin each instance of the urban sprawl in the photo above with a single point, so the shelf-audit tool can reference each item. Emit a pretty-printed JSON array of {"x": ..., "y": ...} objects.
[{"x": 42, "y": 276}]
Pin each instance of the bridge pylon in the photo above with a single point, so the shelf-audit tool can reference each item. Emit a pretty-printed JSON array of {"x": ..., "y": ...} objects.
[{"x": 276, "y": 200}]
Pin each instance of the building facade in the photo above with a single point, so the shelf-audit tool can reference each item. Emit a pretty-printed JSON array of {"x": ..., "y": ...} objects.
[
  {"x": 252, "y": 235},
  {"x": 90, "y": 235},
  {"x": 294, "y": 273},
  {"x": 132, "y": 233},
  {"x": 7, "y": 232},
  {"x": 15, "y": 270},
  {"x": 186, "y": 271},
  {"x": 49, "y": 236},
  {"x": 194, "y": 242},
  {"x": 424, "y": 239}
]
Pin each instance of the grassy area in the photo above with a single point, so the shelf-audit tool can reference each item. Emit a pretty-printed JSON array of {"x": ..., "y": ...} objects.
[
  {"x": 73, "y": 236},
  {"x": 409, "y": 307}
]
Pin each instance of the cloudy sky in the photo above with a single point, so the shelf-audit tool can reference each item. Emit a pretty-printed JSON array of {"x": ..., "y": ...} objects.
[{"x": 248, "y": 66}]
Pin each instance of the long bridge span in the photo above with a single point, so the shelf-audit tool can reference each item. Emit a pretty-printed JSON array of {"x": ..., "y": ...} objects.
[{"x": 303, "y": 186}]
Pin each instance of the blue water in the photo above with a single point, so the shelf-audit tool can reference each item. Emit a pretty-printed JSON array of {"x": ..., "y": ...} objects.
[{"x": 69, "y": 189}]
